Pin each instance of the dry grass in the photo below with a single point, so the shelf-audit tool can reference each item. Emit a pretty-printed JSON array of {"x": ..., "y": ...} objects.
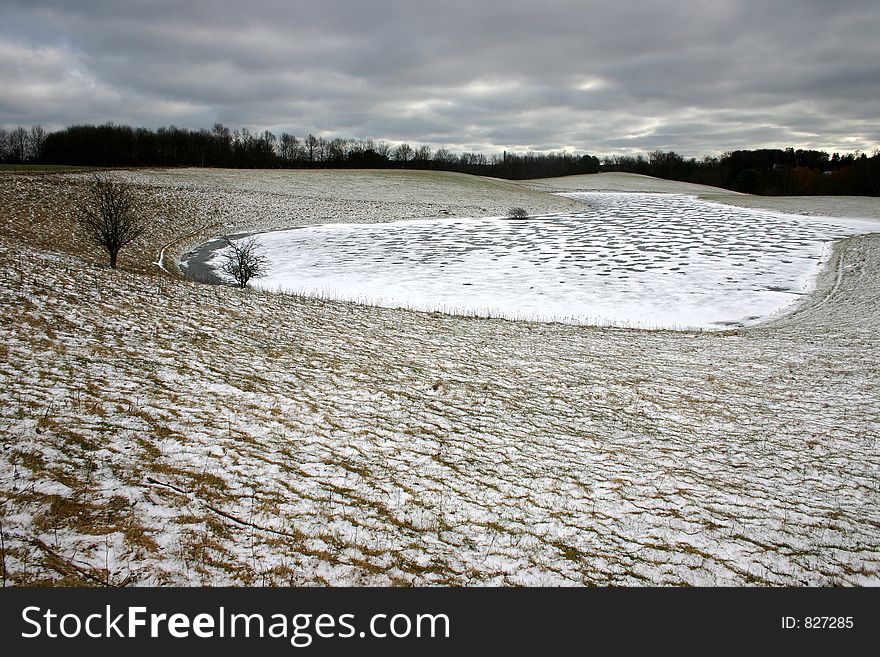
[{"x": 157, "y": 431}]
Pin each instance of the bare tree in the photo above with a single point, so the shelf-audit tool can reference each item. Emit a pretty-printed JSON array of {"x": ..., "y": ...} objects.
[
  {"x": 18, "y": 144},
  {"x": 383, "y": 148},
  {"x": 403, "y": 153},
  {"x": 37, "y": 139},
  {"x": 322, "y": 149},
  {"x": 336, "y": 150},
  {"x": 444, "y": 156},
  {"x": 243, "y": 261},
  {"x": 311, "y": 143},
  {"x": 108, "y": 215},
  {"x": 268, "y": 146},
  {"x": 289, "y": 147}
]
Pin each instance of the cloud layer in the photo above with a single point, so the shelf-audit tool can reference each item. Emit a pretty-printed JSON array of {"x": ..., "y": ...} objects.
[{"x": 697, "y": 77}]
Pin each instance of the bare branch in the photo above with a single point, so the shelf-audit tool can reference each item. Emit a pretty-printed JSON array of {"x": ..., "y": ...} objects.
[{"x": 108, "y": 217}]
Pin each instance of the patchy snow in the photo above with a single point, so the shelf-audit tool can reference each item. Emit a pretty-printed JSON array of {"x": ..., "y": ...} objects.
[
  {"x": 158, "y": 431},
  {"x": 649, "y": 260}
]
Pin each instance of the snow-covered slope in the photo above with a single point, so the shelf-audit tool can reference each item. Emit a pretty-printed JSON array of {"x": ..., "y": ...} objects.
[{"x": 159, "y": 431}]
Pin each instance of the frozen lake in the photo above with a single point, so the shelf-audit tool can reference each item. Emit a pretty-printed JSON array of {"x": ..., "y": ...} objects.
[{"x": 646, "y": 260}]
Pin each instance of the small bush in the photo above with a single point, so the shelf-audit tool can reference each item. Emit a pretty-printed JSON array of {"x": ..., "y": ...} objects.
[
  {"x": 243, "y": 261},
  {"x": 517, "y": 213}
]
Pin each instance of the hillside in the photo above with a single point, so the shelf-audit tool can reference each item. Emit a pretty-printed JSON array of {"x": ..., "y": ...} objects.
[{"x": 160, "y": 431}]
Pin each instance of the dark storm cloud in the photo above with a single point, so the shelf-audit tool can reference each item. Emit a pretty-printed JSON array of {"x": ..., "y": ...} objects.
[{"x": 694, "y": 76}]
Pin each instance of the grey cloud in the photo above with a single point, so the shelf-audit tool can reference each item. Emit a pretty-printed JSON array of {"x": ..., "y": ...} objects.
[{"x": 693, "y": 76}]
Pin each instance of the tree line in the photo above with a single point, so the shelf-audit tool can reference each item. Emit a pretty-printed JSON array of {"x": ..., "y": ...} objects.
[
  {"x": 22, "y": 145},
  {"x": 767, "y": 171},
  {"x": 122, "y": 146},
  {"x": 763, "y": 171}
]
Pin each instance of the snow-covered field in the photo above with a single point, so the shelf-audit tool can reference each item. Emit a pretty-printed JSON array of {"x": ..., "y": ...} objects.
[
  {"x": 630, "y": 259},
  {"x": 159, "y": 431}
]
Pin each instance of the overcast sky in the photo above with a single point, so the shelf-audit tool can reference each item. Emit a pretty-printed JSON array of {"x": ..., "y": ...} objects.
[{"x": 698, "y": 77}]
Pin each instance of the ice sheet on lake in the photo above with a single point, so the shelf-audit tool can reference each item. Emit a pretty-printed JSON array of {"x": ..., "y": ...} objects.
[{"x": 650, "y": 260}]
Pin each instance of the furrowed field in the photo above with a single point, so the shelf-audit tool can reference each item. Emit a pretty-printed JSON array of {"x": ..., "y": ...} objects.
[{"x": 157, "y": 431}]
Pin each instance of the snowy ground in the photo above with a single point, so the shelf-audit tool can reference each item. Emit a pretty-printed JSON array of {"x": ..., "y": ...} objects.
[
  {"x": 638, "y": 260},
  {"x": 158, "y": 431}
]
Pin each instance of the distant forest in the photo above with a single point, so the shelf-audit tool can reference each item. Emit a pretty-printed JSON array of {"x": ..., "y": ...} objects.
[
  {"x": 764, "y": 171},
  {"x": 768, "y": 171}
]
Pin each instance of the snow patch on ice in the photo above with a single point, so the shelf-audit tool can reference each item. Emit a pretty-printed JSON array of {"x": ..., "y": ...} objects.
[{"x": 629, "y": 259}]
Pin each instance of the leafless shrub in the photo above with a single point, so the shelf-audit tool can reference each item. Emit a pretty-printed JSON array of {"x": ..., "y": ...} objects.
[
  {"x": 517, "y": 213},
  {"x": 243, "y": 261},
  {"x": 108, "y": 215}
]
